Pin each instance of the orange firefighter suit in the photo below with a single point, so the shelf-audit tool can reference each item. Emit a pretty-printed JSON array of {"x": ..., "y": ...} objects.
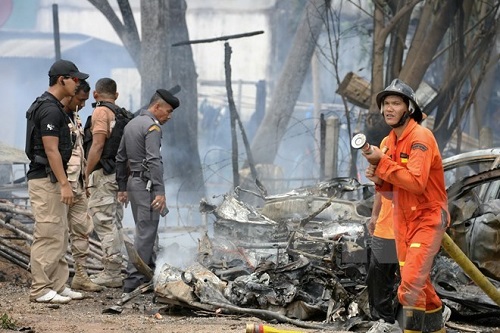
[{"x": 413, "y": 176}]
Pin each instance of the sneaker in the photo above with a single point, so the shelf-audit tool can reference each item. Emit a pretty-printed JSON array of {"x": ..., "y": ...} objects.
[
  {"x": 382, "y": 327},
  {"x": 446, "y": 313},
  {"x": 71, "y": 294},
  {"x": 53, "y": 297}
]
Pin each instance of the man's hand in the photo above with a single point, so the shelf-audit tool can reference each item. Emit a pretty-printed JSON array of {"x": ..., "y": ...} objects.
[
  {"x": 370, "y": 174},
  {"x": 67, "y": 194},
  {"x": 371, "y": 225},
  {"x": 159, "y": 203},
  {"x": 123, "y": 198},
  {"x": 374, "y": 156},
  {"x": 87, "y": 187}
]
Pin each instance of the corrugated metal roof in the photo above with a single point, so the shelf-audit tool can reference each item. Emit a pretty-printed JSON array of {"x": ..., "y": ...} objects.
[
  {"x": 11, "y": 155},
  {"x": 34, "y": 48},
  {"x": 22, "y": 44}
]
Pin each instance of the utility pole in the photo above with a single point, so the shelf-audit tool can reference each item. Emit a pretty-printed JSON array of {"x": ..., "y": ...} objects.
[{"x": 57, "y": 39}]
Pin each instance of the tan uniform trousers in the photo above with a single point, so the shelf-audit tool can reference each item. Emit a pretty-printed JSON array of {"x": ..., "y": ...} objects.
[
  {"x": 80, "y": 225},
  {"x": 106, "y": 214},
  {"x": 49, "y": 268}
]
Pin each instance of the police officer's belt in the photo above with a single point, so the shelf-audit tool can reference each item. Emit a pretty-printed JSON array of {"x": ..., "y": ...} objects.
[{"x": 136, "y": 174}]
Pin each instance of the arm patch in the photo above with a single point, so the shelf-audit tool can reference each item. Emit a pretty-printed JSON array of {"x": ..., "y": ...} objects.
[
  {"x": 154, "y": 128},
  {"x": 420, "y": 146}
]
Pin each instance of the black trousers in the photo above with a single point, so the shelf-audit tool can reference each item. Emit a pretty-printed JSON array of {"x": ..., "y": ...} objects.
[{"x": 383, "y": 279}]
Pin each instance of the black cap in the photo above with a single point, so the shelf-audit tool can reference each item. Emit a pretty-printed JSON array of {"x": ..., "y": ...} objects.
[
  {"x": 66, "y": 68},
  {"x": 168, "y": 97}
]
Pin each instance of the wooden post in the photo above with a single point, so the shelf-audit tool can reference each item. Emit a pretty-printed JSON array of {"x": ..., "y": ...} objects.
[
  {"x": 485, "y": 138},
  {"x": 331, "y": 146},
  {"x": 316, "y": 85},
  {"x": 57, "y": 39},
  {"x": 322, "y": 146}
]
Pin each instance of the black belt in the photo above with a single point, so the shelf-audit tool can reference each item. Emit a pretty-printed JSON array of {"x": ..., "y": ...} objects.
[{"x": 136, "y": 174}]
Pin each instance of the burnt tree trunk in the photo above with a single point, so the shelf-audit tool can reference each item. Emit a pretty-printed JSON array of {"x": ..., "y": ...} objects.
[
  {"x": 182, "y": 162},
  {"x": 268, "y": 137}
]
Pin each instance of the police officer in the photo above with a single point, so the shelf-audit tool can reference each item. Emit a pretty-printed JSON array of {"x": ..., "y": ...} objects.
[
  {"x": 49, "y": 146},
  {"x": 139, "y": 153}
]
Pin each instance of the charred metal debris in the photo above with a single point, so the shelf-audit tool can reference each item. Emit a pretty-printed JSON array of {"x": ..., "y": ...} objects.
[{"x": 302, "y": 257}]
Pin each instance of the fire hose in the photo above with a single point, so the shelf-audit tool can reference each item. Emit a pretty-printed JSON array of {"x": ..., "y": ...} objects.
[
  {"x": 469, "y": 268},
  {"x": 359, "y": 142}
]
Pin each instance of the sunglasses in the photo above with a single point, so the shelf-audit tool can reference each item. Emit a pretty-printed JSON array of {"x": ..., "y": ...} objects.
[{"x": 75, "y": 79}]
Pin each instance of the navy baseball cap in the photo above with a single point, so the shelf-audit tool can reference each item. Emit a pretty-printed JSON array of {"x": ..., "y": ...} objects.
[{"x": 66, "y": 68}]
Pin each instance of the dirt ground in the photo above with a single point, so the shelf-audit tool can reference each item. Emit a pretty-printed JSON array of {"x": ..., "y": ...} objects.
[{"x": 139, "y": 314}]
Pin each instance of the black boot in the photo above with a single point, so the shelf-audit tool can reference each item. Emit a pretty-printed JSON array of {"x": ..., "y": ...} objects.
[
  {"x": 413, "y": 319},
  {"x": 433, "y": 322}
]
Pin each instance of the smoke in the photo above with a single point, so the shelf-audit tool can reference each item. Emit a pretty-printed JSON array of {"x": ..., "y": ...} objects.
[{"x": 177, "y": 251}]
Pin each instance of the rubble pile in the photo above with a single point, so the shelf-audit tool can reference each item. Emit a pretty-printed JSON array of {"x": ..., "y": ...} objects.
[{"x": 303, "y": 256}]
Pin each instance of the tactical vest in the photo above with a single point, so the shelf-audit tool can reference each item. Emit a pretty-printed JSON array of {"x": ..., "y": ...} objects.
[
  {"x": 107, "y": 161},
  {"x": 34, "y": 145}
]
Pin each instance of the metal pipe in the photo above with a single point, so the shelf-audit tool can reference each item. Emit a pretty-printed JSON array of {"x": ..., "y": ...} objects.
[{"x": 280, "y": 245}]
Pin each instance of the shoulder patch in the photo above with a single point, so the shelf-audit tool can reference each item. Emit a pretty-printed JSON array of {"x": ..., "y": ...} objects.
[
  {"x": 154, "y": 128},
  {"x": 420, "y": 146},
  {"x": 404, "y": 157}
]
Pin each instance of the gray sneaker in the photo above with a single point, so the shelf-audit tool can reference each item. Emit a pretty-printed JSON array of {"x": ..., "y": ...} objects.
[{"x": 382, "y": 327}]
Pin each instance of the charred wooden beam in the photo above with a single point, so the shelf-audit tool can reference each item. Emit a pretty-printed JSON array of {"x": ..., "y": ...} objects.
[
  {"x": 14, "y": 247},
  {"x": 9, "y": 207},
  {"x": 13, "y": 259},
  {"x": 19, "y": 256},
  {"x": 218, "y": 39}
]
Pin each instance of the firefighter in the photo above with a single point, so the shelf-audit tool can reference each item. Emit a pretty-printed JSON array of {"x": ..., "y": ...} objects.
[
  {"x": 412, "y": 175},
  {"x": 383, "y": 271}
]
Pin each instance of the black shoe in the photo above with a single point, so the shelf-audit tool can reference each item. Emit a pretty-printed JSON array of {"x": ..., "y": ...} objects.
[{"x": 128, "y": 290}]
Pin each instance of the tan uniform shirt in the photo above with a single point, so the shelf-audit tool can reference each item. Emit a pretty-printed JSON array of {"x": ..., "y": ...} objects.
[{"x": 77, "y": 162}]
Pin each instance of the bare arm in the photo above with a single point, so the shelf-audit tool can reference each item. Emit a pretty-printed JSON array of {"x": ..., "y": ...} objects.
[
  {"x": 95, "y": 152},
  {"x": 377, "y": 204},
  {"x": 51, "y": 145}
]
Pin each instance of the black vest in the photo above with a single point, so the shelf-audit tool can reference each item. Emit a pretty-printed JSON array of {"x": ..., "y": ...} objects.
[
  {"x": 34, "y": 145},
  {"x": 107, "y": 161}
]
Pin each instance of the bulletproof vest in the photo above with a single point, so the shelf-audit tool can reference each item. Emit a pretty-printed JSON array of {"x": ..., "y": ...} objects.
[
  {"x": 107, "y": 161},
  {"x": 34, "y": 144}
]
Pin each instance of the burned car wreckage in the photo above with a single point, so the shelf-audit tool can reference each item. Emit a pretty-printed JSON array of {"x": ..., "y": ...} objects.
[{"x": 302, "y": 257}]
